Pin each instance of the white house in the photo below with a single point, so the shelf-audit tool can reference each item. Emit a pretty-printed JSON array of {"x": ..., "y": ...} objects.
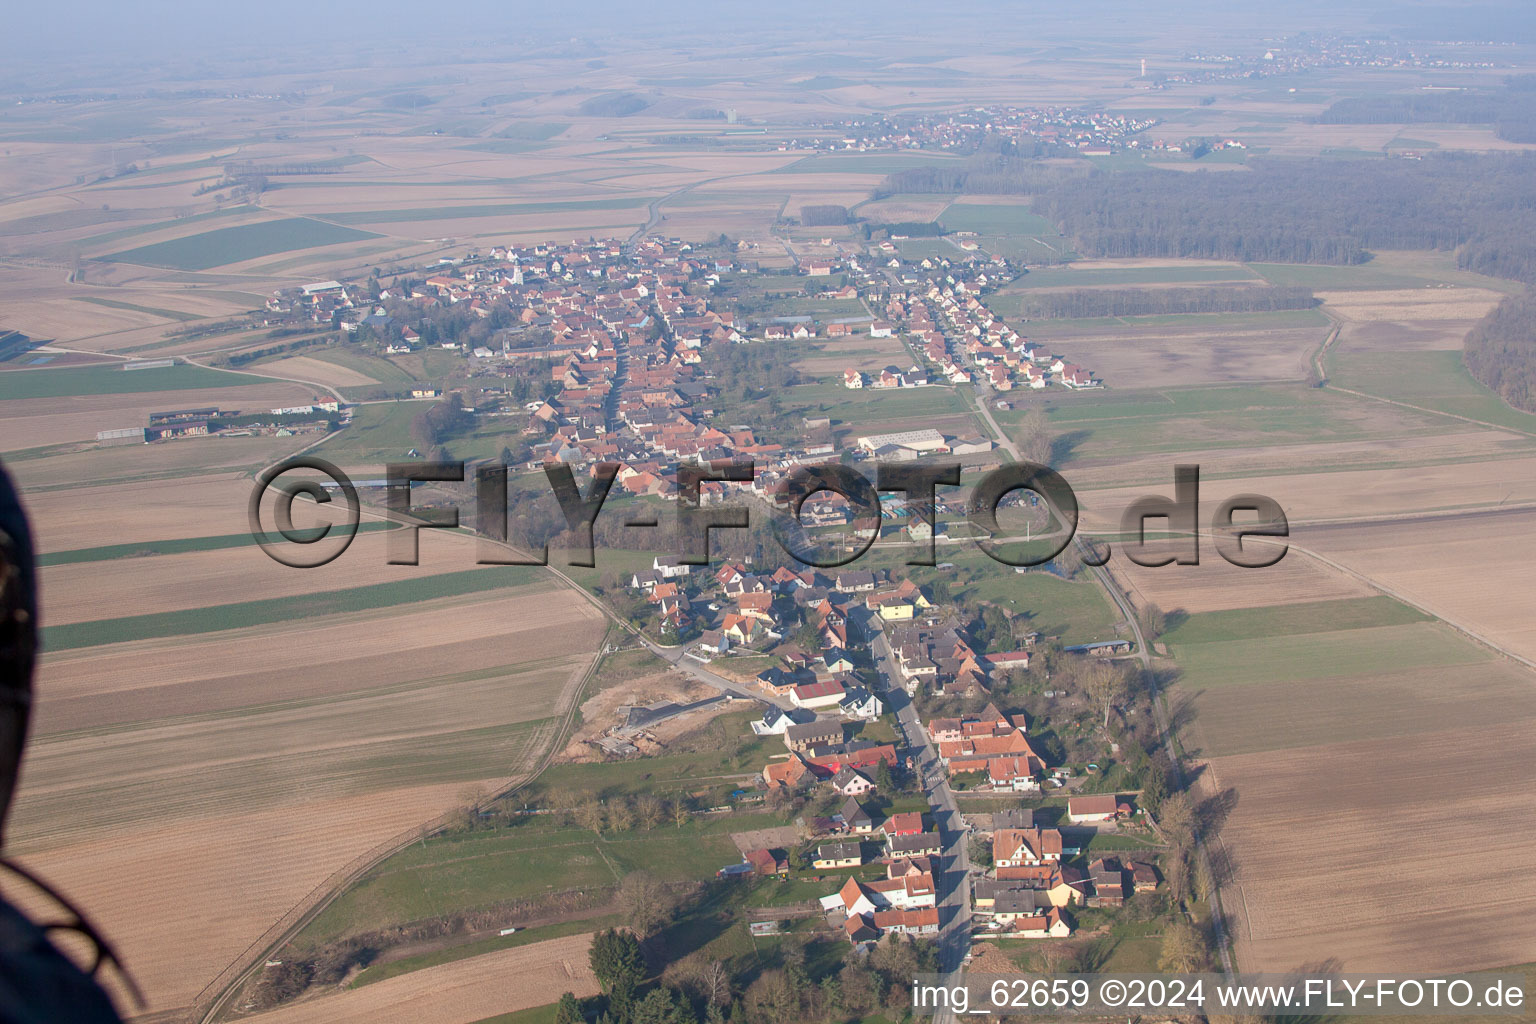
[
  {"x": 670, "y": 566},
  {"x": 862, "y": 704}
]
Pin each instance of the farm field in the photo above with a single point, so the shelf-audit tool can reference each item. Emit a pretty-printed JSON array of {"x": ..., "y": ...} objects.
[
  {"x": 234, "y": 755},
  {"x": 1312, "y": 499},
  {"x": 1367, "y": 701},
  {"x": 87, "y": 466},
  {"x": 1466, "y": 570},
  {"x": 34, "y": 422},
  {"x": 1386, "y": 805},
  {"x": 224, "y": 246},
  {"x": 206, "y": 579},
  {"x": 461, "y": 992},
  {"x": 321, "y": 371},
  {"x": 995, "y": 219},
  {"x": 1196, "y": 355},
  {"x": 113, "y": 380},
  {"x": 1091, "y": 273}
]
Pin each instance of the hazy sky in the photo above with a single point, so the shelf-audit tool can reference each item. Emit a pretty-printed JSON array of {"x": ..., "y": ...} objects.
[{"x": 146, "y": 31}]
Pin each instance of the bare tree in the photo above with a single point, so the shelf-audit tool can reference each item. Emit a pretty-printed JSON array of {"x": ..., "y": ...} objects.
[
  {"x": 681, "y": 814},
  {"x": 589, "y": 815},
  {"x": 1106, "y": 686},
  {"x": 621, "y": 817},
  {"x": 645, "y": 903},
  {"x": 1176, "y": 873},
  {"x": 1176, "y": 816},
  {"x": 1183, "y": 949},
  {"x": 1034, "y": 437},
  {"x": 649, "y": 810}
]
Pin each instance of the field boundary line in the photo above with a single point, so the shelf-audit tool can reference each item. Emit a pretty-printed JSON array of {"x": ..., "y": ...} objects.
[{"x": 213, "y": 998}]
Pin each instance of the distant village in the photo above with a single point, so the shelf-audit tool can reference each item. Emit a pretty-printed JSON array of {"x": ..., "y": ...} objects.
[{"x": 619, "y": 337}]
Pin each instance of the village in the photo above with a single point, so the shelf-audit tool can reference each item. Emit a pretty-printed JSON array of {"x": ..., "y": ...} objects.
[
  {"x": 870, "y": 782},
  {"x": 609, "y": 352}
]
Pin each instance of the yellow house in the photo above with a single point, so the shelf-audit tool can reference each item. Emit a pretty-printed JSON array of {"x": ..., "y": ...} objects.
[
  {"x": 838, "y": 855},
  {"x": 898, "y": 611}
]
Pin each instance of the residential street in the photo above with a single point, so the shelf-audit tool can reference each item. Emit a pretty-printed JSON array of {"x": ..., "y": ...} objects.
[{"x": 953, "y": 877}]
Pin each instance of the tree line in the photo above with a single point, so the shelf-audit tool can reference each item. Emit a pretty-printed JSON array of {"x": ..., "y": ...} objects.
[
  {"x": 1508, "y": 110},
  {"x": 823, "y": 214},
  {"x": 1500, "y": 351},
  {"x": 1311, "y": 211},
  {"x": 1085, "y": 302}
]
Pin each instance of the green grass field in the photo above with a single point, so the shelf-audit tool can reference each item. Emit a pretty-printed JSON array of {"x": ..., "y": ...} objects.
[
  {"x": 464, "y": 871},
  {"x": 870, "y": 404},
  {"x": 175, "y": 546},
  {"x": 1066, "y": 277},
  {"x": 1292, "y": 657},
  {"x": 1121, "y": 423},
  {"x": 1430, "y": 380},
  {"x": 378, "y": 433},
  {"x": 1293, "y": 619},
  {"x": 1076, "y": 611},
  {"x": 212, "y": 618},
  {"x": 168, "y": 314},
  {"x": 112, "y": 380},
  {"x": 1029, "y": 249},
  {"x": 1395, "y": 270},
  {"x": 223, "y": 246},
  {"x": 996, "y": 219}
]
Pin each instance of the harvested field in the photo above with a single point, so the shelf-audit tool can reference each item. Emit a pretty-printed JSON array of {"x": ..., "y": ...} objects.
[
  {"x": 1397, "y": 336},
  {"x": 1291, "y": 714},
  {"x": 1378, "y": 811},
  {"x": 86, "y": 592},
  {"x": 1164, "y": 359},
  {"x": 318, "y": 370},
  {"x": 144, "y": 680},
  {"x": 83, "y": 517},
  {"x": 1471, "y": 570},
  {"x": 236, "y": 872},
  {"x": 904, "y": 208},
  {"x": 1318, "y": 497},
  {"x": 1411, "y": 304},
  {"x": 1478, "y": 450},
  {"x": 174, "y": 780},
  {"x": 461, "y": 992},
  {"x": 1216, "y": 585}
]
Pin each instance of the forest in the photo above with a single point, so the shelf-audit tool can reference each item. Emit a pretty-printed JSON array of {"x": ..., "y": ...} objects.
[
  {"x": 1508, "y": 110},
  {"x": 1085, "y": 302},
  {"x": 1500, "y": 351},
  {"x": 1311, "y": 211}
]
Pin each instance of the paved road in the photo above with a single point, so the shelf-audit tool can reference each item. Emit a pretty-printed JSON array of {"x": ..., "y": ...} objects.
[
  {"x": 1218, "y": 918},
  {"x": 953, "y": 879},
  {"x": 698, "y": 670}
]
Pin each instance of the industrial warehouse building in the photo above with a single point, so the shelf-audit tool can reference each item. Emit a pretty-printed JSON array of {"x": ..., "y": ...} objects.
[{"x": 923, "y": 441}]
